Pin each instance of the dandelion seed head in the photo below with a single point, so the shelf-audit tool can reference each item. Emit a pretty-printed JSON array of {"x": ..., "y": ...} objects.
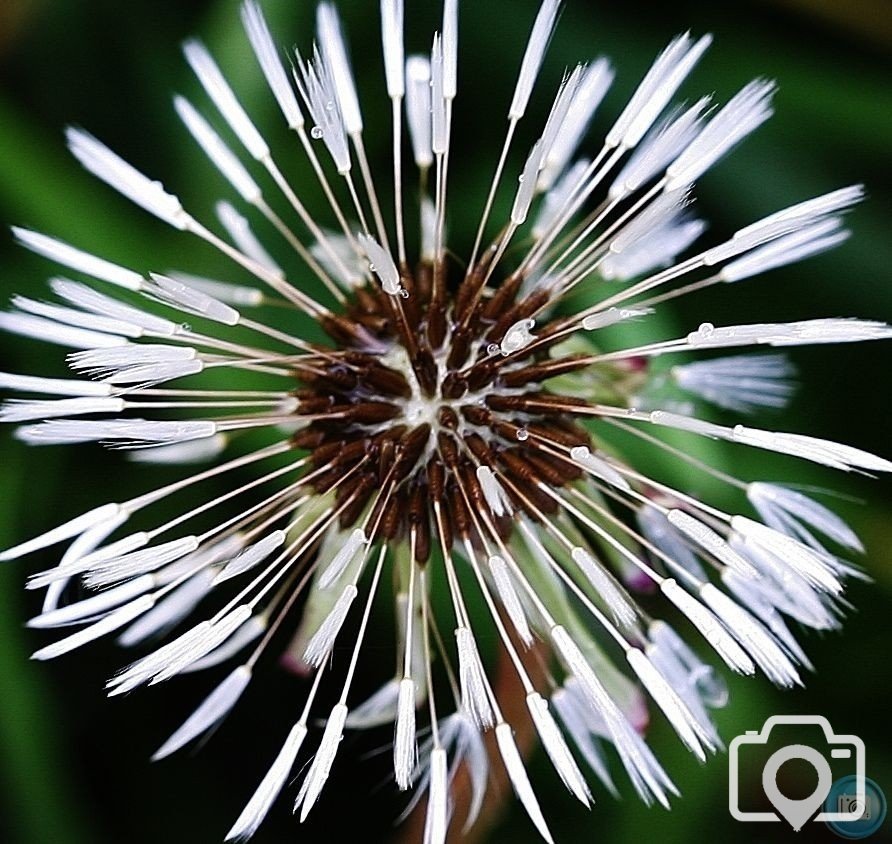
[{"x": 453, "y": 429}]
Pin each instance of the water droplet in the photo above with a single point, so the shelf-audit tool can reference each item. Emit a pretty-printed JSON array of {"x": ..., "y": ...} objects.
[
  {"x": 523, "y": 434},
  {"x": 404, "y": 294},
  {"x": 372, "y": 268},
  {"x": 492, "y": 349},
  {"x": 316, "y": 132},
  {"x": 710, "y": 686},
  {"x": 329, "y": 106},
  {"x": 706, "y": 329}
]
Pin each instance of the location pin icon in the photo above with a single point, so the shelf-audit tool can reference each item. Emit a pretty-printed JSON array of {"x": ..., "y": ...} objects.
[{"x": 797, "y": 812}]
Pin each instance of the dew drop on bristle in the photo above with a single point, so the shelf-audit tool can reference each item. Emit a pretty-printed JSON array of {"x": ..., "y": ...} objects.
[
  {"x": 523, "y": 434},
  {"x": 316, "y": 132}
]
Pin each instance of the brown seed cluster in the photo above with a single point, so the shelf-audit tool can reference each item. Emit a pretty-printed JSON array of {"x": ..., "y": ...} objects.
[{"x": 420, "y": 396}]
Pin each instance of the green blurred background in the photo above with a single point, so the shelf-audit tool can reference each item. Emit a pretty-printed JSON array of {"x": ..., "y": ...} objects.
[{"x": 73, "y": 766}]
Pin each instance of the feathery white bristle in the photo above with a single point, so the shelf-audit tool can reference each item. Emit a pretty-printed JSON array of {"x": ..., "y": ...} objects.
[
  {"x": 709, "y": 626},
  {"x": 322, "y": 761},
  {"x": 557, "y": 116},
  {"x": 220, "y": 155},
  {"x": 50, "y": 331},
  {"x": 334, "y": 52},
  {"x": 270, "y": 787},
  {"x": 556, "y": 748},
  {"x": 71, "y": 317},
  {"x": 598, "y": 467},
  {"x": 758, "y": 641},
  {"x": 232, "y": 294},
  {"x": 741, "y": 115},
  {"x": 20, "y": 410},
  {"x": 126, "y": 179},
  {"x": 520, "y": 782},
  {"x": 270, "y": 63},
  {"x": 379, "y": 708},
  {"x": 331, "y": 572},
  {"x": 146, "y": 560},
  {"x": 472, "y": 678},
  {"x": 715, "y": 692},
  {"x": 405, "y": 750},
  {"x": 77, "y": 259},
  {"x": 559, "y": 193},
  {"x": 804, "y": 332},
  {"x": 100, "y": 628},
  {"x": 317, "y": 87},
  {"x": 392, "y": 44},
  {"x": 255, "y": 627},
  {"x": 381, "y": 264},
  {"x": 213, "y": 709},
  {"x": 188, "y": 299},
  {"x": 612, "y": 316},
  {"x": 217, "y": 88},
  {"x": 52, "y": 386},
  {"x": 167, "y": 612},
  {"x": 130, "y": 432},
  {"x": 784, "y": 222},
  {"x": 537, "y": 43},
  {"x": 239, "y": 229},
  {"x": 620, "y": 608},
  {"x": 655, "y": 91},
  {"x": 704, "y": 536},
  {"x": 338, "y": 257},
  {"x": 450, "y": 49},
  {"x": 251, "y": 556},
  {"x": 92, "y": 300},
  {"x": 576, "y": 720},
  {"x": 93, "y": 606},
  {"x": 593, "y": 84},
  {"x": 96, "y": 517},
  {"x": 778, "y": 505},
  {"x": 418, "y": 109},
  {"x": 492, "y": 491},
  {"x": 657, "y": 249},
  {"x": 436, "y": 821},
  {"x": 645, "y": 772},
  {"x": 661, "y": 212},
  {"x": 786, "y": 589},
  {"x": 813, "y": 566},
  {"x": 656, "y": 529},
  {"x": 323, "y": 639},
  {"x": 428, "y": 230},
  {"x": 739, "y": 382},
  {"x": 754, "y": 601},
  {"x": 109, "y": 361},
  {"x": 672, "y": 706},
  {"x": 526, "y": 188},
  {"x": 817, "y": 450},
  {"x": 661, "y": 147},
  {"x": 439, "y": 128},
  {"x": 809, "y": 211},
  {"x": 509, "y": 598},
  {"x": 209, "y": 640},
  {"x": 806, "y": 243},
  {"x": 143, "y": 669}
]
